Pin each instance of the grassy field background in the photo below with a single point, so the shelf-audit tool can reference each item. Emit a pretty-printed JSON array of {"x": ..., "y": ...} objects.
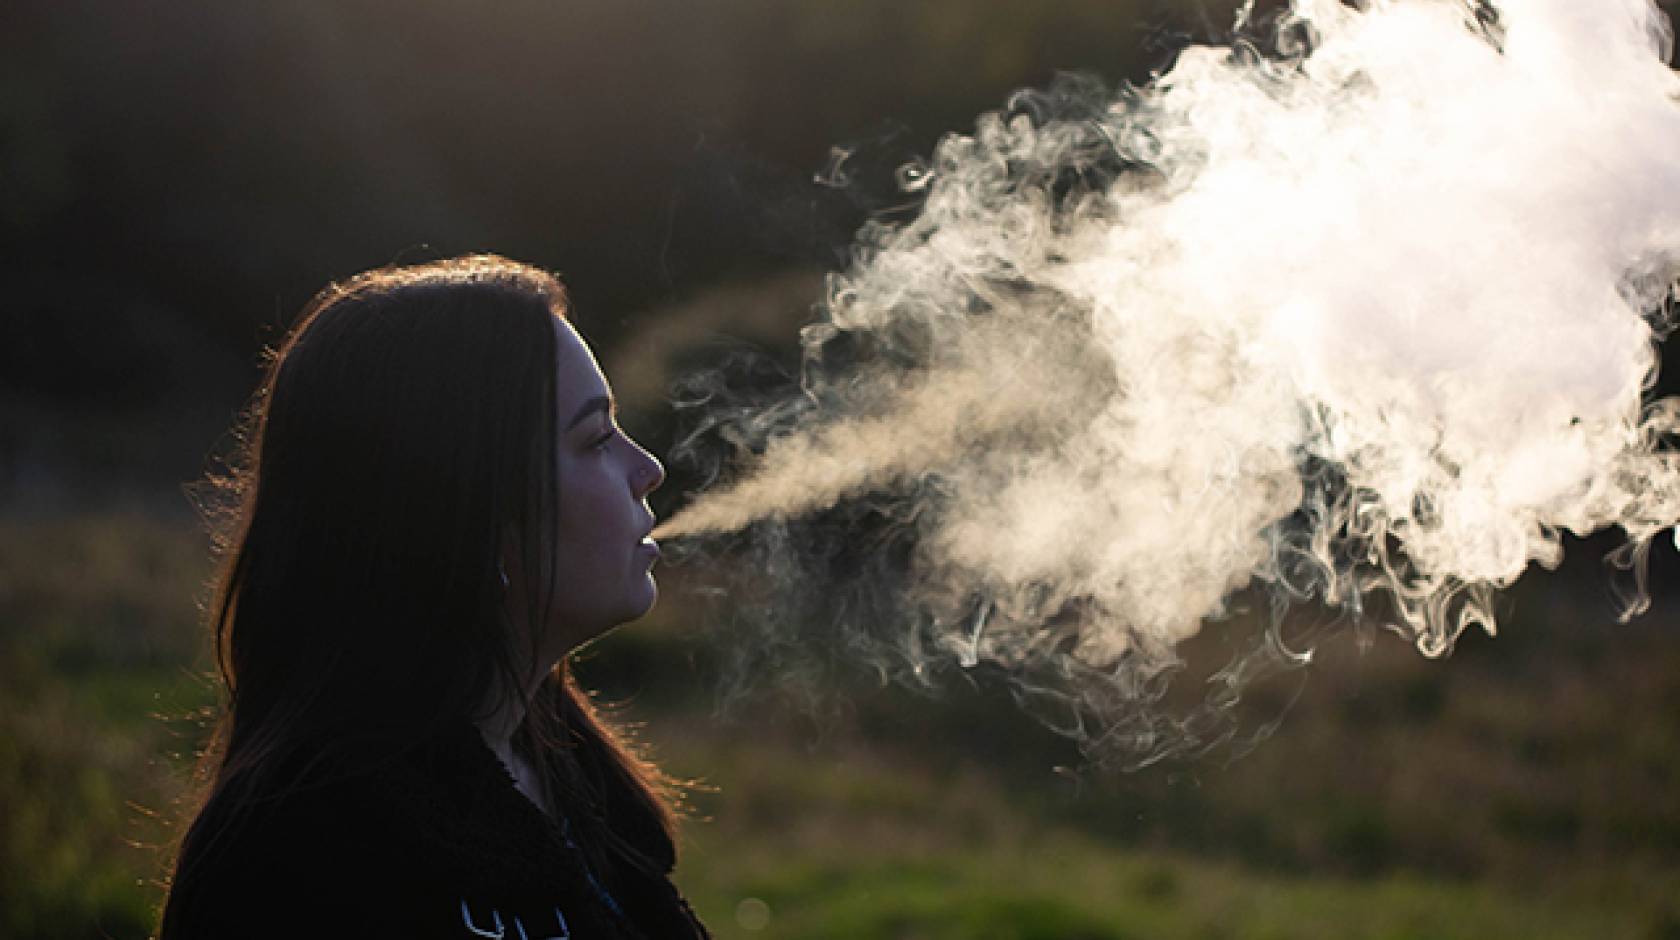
[{"x": 1523, "y": 788}]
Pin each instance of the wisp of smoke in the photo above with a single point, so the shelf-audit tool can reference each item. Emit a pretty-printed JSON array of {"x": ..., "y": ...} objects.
[{"x": 1369, "y": 314}]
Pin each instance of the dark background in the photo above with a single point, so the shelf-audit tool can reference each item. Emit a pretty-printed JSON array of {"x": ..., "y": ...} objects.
[{"x": 180, "y": 178}]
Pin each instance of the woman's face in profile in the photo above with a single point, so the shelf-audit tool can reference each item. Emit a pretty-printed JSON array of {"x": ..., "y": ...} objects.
[{"x": 603, "y": 564}]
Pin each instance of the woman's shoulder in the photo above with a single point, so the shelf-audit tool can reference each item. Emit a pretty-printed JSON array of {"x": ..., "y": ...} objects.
[
  {"x": 389, "y": 849},
  {"x": 311, "y": 863},
  {"x": 437, "y": 844}
]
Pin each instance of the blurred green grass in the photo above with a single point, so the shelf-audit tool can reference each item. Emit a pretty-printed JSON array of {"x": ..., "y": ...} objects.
[
  {"x": 1524, "y": 788},
  {"x": 98, "y": 647}
]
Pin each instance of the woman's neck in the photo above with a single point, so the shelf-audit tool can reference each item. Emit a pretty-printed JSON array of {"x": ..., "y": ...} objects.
[
  {"x": 526, "y": 779},
  {"x": 498, "y": 729},
  {"x": 507, "y": 714}
]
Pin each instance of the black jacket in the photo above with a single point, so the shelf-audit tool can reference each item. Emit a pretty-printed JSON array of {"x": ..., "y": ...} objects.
[{"x": 439, "y": 845}]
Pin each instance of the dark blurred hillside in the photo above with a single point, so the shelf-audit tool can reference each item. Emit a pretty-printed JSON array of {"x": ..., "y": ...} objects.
[
  {"x": 179, "y": 178},
  {"x": 218, "y": 162}
]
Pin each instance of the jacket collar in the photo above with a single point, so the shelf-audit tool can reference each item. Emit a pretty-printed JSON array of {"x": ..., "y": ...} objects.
[{"x": 455, "y": 805}]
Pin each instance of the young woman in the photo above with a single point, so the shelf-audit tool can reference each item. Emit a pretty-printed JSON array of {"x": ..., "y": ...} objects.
[{"x": 433, "y": 509}]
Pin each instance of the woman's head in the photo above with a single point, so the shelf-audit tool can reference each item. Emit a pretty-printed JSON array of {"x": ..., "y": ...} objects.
[{"x": 427, "y": 438}]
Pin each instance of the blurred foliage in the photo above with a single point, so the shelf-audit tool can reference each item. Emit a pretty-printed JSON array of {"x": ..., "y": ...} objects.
[
  {"x": 1521, "y": 789},
  {"x": 215, "y": 163},
  {"x": 179, "y": 179},
  {"x": 99, "y": 645}
]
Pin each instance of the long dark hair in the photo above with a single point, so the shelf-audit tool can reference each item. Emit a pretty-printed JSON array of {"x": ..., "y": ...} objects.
[{"x": 405, "y": 424}]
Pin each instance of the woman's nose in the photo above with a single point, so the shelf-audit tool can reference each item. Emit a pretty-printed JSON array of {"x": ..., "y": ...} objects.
[{"x": 649, "y": 473}]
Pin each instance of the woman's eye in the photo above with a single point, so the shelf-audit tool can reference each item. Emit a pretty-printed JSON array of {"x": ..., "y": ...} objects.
[{"x": 600, "y": 443}]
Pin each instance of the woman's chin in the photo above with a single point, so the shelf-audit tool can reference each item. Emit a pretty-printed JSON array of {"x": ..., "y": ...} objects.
[
  {"x": 634, "y": 610},
  {"x": 639, "y": 603},
  {"x": 649, "y": 597}
]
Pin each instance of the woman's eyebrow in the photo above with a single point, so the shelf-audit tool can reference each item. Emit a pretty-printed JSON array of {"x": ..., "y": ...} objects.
[{"x": 598, "y": 403}]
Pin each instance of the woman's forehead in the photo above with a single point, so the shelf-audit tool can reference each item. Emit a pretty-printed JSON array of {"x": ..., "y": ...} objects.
[{"x": 577, "y": 374}]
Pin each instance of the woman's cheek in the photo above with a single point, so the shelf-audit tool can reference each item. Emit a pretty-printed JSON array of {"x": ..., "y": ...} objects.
[{"x": 590, "y": 519}]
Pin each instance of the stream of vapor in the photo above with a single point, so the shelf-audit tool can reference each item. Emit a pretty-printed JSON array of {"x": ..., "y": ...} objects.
[{"x": 1365, "y": 310}]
